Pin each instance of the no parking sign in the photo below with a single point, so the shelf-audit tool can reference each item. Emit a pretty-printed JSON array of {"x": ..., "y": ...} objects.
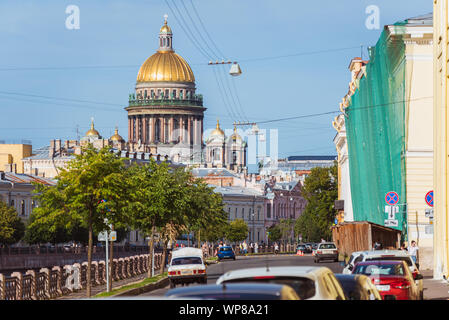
[
  {"x": 391, "y": 198},
  {"x": 429, "y": 198}
]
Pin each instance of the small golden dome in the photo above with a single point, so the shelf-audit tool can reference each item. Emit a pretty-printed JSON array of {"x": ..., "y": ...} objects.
[
  {"x": 165, "y": 28},
  {"x": 235, "y": 136},
  {"x": 116, "y": 136},
  {"x": 92, "y": 131},
  {"x": 217, "y": 130},
  {"x": 165, "y": 66}
]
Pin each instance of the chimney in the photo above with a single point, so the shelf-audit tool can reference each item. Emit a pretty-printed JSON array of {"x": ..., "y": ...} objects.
[
  {"x": 58, "y": 147},
  {"x": 51, "y": 150}
]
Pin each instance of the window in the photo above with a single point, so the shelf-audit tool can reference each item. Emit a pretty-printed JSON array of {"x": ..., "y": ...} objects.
[
  {"x": 174, "y": 94},
  {"x": 166, "y": 95},
  {"x": 269, "y": 210},
  {"x": 22, "y": 204},
  {"x": 243, "y": 213},
  {"x": 184, "y": 261}
]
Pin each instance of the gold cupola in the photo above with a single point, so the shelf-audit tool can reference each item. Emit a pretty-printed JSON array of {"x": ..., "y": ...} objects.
[
  {"x": 116, "y": 136},
  {"x": 165, "y": 64},
  {"x": 218, "y": 130},
  {"x": 92, "y": 132},
  {"x": 235, "y": 136}
]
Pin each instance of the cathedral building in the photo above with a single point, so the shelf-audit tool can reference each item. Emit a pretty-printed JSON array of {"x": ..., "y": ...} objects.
[{"x": 165, "y": 115}]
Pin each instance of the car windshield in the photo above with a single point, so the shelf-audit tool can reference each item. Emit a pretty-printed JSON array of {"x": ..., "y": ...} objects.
[
  {"x": 380, "y": 269},
  {"x": 327, "y": 246},
  {"x": 351, "y": 288},
  {"x": 225, "y": 249},
  {"x": 186, "y": 260},
  {"x": 406, "y": 259},
  {"x": 304, "y": 287}
]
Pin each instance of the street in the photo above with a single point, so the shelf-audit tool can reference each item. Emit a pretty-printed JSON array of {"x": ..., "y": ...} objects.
[{"x": 214, "y": 271}]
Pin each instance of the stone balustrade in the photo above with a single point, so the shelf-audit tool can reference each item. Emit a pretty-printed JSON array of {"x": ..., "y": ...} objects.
[{"x": 58, "y": 281}]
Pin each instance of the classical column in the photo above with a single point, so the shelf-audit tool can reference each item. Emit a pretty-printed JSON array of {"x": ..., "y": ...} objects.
[
  {"x": 172, "y": 128},
  {"x": 162, "y": 128},
  {"x": 129, "y": 129},
  {"x": 189, "y": 130},
  {"x": 152, "y": 129}
]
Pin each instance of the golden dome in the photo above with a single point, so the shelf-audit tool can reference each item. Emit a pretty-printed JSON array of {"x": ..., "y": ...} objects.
[
  {"x": 165, "y": 66},
  {"x": 165, "y": 28},
  {"x": 92, "y": 131},
  {"x": 217, "y": 130},
  {"x": 116, "y": 136},
  {"x": 235, "y": 136}
]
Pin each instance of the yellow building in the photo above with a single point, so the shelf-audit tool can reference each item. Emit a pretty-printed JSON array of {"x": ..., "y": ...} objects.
[
  {"x": 441, "y": 181},
  {"x": 11, "y": 156}
]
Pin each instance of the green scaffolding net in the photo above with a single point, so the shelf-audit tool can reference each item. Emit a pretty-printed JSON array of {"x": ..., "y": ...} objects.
[{"x": 375, "y": 128}]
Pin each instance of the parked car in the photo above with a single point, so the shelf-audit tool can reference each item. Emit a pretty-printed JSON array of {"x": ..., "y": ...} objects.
[
  {"x": 225, "y": 252},
  {"x": 236, "y": 291},
  {"x": 311, "y": 283},
  {"x": 392, "y": 278},
  {"x": 358, "y": 287},
  {"x": 305, "y": 248},
  {"x": 187, "y": 266},
  {"x": 360, "y": 256},
  {"x": 326, "y": 251}
]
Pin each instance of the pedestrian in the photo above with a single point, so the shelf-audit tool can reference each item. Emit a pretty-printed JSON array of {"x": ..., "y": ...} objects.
[
  {"x": 322, "y": 240},
  {"x": 256, "y": 248},
  {"x": 252, "y": 247},
  {"x": 276, "y": 248},
  {"x": 404, "y": 246},
  {"x": 413, "y": 251},
  {"x": 245, "y": 247}
]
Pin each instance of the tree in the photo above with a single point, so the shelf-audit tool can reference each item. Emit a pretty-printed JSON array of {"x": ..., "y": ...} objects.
[
  {"x": 12, "y": 228},
  {"x": 237, "y": 231},
  {"x": 320, "y": 191},
  {"x": 91, "y": 177},
  {"x": 275, "y": 233},
  {"x": 286, "y": 228}
]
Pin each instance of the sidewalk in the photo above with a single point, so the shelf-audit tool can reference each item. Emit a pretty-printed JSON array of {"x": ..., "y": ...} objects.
[
  {"x": 434, "y": 289},
  {"x": 81, "y": 294}
]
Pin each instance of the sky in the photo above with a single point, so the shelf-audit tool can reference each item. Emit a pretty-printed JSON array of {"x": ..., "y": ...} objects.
[{"x": 294, "y": 57}]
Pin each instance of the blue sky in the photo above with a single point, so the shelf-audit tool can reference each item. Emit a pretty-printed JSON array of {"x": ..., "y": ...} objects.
[{"x": 40, "y": 57}]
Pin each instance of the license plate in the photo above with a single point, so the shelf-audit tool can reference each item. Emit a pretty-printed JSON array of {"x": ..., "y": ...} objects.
[
  {"x": 328, "y": 251},
  {"x": 186, "y": 272},
  {"x": 383, "y": 287}
]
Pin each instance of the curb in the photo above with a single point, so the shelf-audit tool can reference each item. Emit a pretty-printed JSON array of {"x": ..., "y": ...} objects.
[{"x": 147, "y": 288}]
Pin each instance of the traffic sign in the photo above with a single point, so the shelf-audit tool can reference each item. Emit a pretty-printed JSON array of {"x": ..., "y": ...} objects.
[
  {"x": 391, "y": 223},
  {"x": 102, "y": 236},
  {"x": 113, "y": 236},
  {"x": 391, "y": 198},
  {"x": 429, "y": 198}
]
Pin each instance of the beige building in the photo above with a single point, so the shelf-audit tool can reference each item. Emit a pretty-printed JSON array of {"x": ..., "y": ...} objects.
[
  {"x": 11, "y": 156},
  {"x": 440, "y": 120}
]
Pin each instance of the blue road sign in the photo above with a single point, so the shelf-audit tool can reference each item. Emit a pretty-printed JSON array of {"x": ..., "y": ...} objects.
[{"x": 391, "y": 198}]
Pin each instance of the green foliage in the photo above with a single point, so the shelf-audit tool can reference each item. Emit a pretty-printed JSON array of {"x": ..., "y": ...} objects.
[
  {"x": 286, "y": 228},
  {"x": 11, "y": 226},
  {"x": 320, "y": 191},
  {"x": 237, "y": 230},
  {"x": 275, "y": 233}
]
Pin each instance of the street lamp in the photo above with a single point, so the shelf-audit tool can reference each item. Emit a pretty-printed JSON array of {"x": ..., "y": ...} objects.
[{"x": 235, "y": 68}]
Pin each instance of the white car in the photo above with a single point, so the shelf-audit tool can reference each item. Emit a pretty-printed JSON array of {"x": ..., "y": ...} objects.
[
  {"x": 310, "y": 283},
  {"x": 360, "y": 256},
  {"x": 187, "y": 266}
]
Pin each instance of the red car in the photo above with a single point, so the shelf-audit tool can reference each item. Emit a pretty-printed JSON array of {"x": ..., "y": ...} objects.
[{"x": 393, "y": 279}]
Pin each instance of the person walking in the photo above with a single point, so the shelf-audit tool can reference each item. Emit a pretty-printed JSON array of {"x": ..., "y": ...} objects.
[
  {"x": 256, "y": 248},
  {"x": 413, "y": 251}
]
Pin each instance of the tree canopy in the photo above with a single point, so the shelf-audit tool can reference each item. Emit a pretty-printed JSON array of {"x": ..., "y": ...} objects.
[
  {"x": 12, "y": 228},
  {"x": 320, "y": 191}
]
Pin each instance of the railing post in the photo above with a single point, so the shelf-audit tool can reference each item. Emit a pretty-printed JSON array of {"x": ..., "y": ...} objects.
[
  {"x": 2, "y": 287},
  {"x": 95, "y": 280},
  {"x": 77, "y": 274},
  {"x": 19, "y": 284},
  {"x": 47, "y": 282},
  {"x": 33, "y": 284}
]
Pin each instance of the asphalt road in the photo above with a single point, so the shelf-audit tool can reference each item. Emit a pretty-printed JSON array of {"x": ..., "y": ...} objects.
[{"x": 214, "y": 271}]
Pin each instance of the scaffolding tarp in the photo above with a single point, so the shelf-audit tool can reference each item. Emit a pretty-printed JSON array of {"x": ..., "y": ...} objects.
[{"x": 375, "y": 126}]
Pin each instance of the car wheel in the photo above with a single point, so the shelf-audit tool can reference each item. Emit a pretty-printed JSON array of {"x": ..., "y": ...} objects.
[
  {"x": 421, "y": 296},
  {"x": 234, "y": 258},
  {"x": 172, "y": 285}
]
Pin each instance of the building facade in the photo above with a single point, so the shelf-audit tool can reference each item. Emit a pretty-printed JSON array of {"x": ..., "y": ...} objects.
[
  {"x": 388, "y": 118},
  {"x": 11, "y": 156}
]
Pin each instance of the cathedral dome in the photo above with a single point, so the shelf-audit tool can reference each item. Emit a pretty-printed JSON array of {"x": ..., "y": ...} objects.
[
  {"x": 92, "y": 132},
  {"x": 165, "y": 66},
  {"x": 217, "y": 131},
  {"x": 116, "y": 136}
]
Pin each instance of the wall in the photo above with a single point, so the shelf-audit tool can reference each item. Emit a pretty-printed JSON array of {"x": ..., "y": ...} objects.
[{"x": 17, "y": 152}]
